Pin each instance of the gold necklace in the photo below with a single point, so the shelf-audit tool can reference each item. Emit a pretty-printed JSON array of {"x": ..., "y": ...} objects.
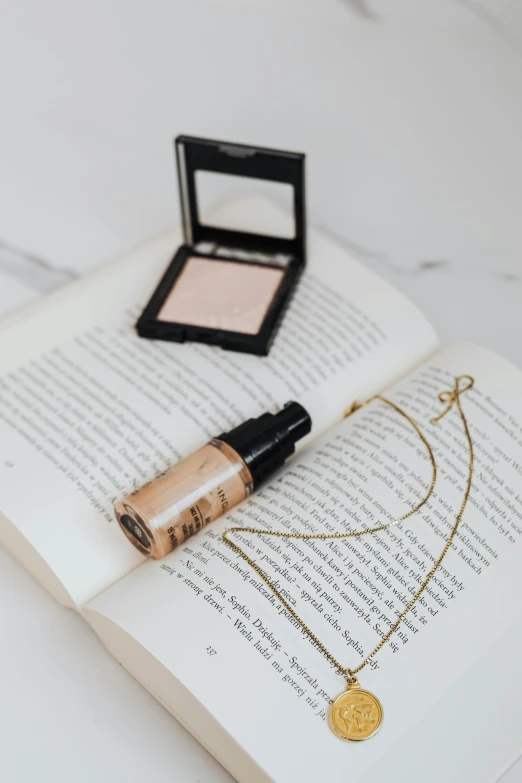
[{"x": 357, "y": 714}]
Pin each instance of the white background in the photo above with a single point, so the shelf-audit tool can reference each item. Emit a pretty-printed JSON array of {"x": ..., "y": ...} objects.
[{"x": 411, "y": 115}]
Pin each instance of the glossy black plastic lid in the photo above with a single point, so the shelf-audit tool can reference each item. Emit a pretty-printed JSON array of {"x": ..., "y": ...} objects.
[
  {"x": 239, "y": 160},
  {"x": 265, "y": 443}
]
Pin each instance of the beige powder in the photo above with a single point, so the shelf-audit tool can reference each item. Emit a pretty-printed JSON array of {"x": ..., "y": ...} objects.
[{"x": 222, "y": 295}]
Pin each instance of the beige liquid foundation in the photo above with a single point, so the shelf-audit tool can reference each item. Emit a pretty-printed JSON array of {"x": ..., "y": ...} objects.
[{"x": 176, "y": 505}]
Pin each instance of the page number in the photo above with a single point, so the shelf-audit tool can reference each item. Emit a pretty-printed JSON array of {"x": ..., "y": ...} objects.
[{"x": 211, "y": 651}]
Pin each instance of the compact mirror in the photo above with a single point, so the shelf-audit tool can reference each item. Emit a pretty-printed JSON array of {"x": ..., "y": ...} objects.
[
  {"x": 231, "y": 280},
  {"x": 214, "y": 189}
]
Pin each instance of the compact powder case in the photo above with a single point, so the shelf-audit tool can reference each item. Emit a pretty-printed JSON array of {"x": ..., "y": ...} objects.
[{"x": 226, "y": 286}]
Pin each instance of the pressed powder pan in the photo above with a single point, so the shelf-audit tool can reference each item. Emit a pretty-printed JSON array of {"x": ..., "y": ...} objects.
[{"x": 222, "y": 295}]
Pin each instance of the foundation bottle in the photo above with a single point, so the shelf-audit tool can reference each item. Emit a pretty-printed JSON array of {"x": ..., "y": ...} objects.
[{"x": 178, "y": 503}]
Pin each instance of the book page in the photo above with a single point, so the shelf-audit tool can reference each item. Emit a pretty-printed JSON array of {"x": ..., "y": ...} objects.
[
  {"x": 89, "y": 411},
  {"x": 209, "y": 620}
]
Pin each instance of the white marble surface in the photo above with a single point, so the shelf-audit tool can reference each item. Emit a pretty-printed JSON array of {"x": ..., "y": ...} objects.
[{"x": 411, "y": 115}]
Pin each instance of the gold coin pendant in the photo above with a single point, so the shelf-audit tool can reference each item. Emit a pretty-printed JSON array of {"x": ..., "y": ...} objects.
[{"x": 356, "y": 714}]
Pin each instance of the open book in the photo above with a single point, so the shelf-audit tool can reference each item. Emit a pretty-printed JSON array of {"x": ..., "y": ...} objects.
[{"x": 89, "y": 411}]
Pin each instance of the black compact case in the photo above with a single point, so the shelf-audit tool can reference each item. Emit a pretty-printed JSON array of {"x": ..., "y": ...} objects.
[{"x": 203, "y": 240}]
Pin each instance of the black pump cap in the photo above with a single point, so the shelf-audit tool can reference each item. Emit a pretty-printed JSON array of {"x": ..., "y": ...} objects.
[{"x": 266, "y": 443}]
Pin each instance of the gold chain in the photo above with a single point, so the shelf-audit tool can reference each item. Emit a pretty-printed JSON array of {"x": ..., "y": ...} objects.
[{"x": 462, "y": 384}]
